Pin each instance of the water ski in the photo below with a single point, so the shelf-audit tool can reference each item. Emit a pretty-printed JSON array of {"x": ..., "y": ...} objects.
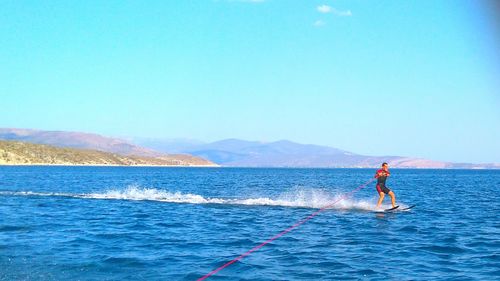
[
  {"x": 391, "y": 209},
  {"x": 397, "y": 209},
  {"x": 407, "y": 208}
]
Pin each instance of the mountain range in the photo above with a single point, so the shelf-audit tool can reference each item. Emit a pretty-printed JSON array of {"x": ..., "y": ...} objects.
[
  {"x": 229, "y": 152},
  {"x": 284, "y": 153}
]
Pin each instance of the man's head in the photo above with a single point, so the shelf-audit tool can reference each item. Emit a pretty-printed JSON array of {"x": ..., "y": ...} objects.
[{"x": 385, "y": 166}]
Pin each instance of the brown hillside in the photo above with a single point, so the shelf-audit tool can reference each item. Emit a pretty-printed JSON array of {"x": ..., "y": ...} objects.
[{"x": 21, "y": 153}]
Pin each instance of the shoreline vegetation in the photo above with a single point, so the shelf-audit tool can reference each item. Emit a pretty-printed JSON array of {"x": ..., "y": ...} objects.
[{"x": 16, "y": 153}]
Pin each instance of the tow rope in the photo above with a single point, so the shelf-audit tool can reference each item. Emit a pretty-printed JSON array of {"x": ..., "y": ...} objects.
[{"x": 297, "y": 224}]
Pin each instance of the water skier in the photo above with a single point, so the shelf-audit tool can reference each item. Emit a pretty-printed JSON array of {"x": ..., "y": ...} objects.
[{"x": 382, "y": 189}]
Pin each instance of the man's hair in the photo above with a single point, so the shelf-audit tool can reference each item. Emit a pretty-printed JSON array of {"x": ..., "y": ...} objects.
[{"x": 385, "y": 163}]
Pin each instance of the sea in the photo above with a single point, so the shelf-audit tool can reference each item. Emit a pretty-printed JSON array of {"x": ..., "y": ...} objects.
[{"x": 158, "y": 223}]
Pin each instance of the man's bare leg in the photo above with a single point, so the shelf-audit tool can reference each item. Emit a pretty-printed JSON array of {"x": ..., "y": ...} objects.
[
  {"x": 393, "y": 198},
  {"x": 380, "y": 199}
]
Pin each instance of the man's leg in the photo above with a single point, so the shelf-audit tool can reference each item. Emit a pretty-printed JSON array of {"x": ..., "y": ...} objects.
[
  {"x": 393, "y": 198},
  {"x": 380, "y": 199}
]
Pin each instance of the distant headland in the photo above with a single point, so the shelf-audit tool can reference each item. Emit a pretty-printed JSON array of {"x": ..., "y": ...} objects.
[{"x": 22, "y": 153}]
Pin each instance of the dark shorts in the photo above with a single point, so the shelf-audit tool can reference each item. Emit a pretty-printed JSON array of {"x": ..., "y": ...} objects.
[{"x": 382, "y": 188}]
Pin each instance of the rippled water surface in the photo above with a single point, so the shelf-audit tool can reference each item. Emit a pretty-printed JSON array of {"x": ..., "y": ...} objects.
[{"x": 112, "y": 223}]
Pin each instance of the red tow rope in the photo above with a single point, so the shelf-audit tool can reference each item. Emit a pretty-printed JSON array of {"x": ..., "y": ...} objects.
[{"x": 344, "y": 196}]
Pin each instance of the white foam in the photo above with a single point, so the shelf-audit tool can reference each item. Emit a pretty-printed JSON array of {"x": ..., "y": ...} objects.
[
  {"x": 136, "y": 193},
  {"x": 299, "y": 197}
]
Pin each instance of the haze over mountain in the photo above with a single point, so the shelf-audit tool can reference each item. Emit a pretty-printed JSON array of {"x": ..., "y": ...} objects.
[
  {"x": 77, "y": 140},
  {"x": 242, "y": 153}
]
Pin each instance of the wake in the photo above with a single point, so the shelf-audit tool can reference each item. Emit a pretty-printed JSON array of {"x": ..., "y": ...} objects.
[{"x": 298, "y": 198}]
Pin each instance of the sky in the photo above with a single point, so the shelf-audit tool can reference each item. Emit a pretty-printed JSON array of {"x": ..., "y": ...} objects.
[{"x": 409, "y": 78}]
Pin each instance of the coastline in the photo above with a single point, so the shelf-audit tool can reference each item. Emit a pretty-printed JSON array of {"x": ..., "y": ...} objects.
[
  {"x": 231, "y": 167},
  {"x": 108, "y": 165}
]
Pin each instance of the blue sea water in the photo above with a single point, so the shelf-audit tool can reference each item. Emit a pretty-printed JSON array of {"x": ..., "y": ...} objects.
[{"x": 145, "y": 223}]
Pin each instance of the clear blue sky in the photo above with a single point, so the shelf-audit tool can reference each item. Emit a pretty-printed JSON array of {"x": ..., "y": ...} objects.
[{"x": 414, "y": 78}]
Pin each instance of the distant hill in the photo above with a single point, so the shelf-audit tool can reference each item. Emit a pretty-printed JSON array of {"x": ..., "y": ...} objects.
[
  {"x": 22, "y": 153},
  {"x": 77, "y": 140},
  {"x": 229, "y": 152},
  {"x": 167, "y": 145},
  {"x": 241, "y": 153}
]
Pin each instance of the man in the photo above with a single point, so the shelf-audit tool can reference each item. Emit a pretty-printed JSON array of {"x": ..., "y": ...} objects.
[{"x": 382, "y": 189}]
